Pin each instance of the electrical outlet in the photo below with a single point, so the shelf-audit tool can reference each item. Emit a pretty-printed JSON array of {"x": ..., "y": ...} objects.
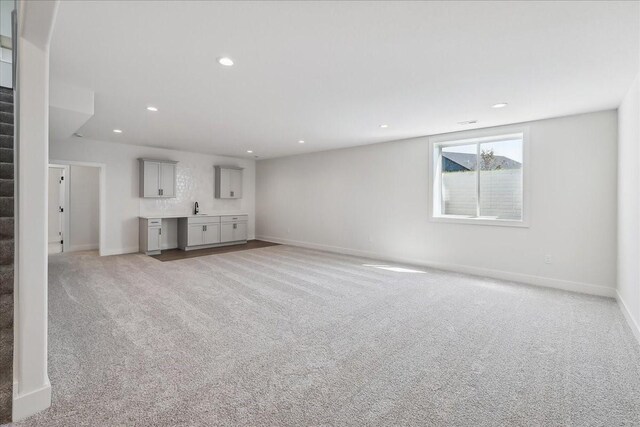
[{"x": 548, "y": 259}]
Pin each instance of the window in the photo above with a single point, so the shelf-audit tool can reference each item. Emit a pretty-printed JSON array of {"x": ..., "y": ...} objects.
[{"x": 478, "y": 177}]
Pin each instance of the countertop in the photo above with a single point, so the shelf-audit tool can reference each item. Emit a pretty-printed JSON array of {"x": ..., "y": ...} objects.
[{"x": 173, "y": 216}]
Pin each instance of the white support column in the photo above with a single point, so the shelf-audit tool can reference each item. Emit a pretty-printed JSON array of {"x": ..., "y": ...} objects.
[{"x": 32, "y": 390}]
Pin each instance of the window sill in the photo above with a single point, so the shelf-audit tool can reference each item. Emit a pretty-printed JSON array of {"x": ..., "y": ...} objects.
[{"x": 462, "y": 219}]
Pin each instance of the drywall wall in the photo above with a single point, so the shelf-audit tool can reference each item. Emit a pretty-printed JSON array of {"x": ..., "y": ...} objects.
[
  {"x": 84, "y": 205},
  {"x": 372, "y": 200},
  {"x": 123, "y": 204},
  {"x": 629, "y": 206}
]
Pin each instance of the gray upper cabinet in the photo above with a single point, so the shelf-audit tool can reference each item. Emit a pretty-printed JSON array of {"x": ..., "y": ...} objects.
[
  {"x": 157, "y": 178},
  {"x": 228, "y": 182}
]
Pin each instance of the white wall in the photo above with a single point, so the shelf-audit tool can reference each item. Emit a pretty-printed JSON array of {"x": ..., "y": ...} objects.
[
  {"x": 629, "y": 205},
  {"x": 123, "y": 204},
  {"x": 372, "y": 200},
  {"x": 84, "y": 202}
]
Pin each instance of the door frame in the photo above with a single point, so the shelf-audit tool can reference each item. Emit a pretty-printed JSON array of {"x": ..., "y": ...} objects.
[
  {"x": 102, "y": 189},
  {"x": 65, "y": 205}
]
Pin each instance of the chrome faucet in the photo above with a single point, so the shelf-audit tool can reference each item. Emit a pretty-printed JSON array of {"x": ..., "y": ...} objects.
[{"x": 196, "y": 209}]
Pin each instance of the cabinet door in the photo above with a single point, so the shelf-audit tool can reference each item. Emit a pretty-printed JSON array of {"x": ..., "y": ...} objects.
[
  {"x": 151, "y": 177},
  {"x": 211, "y": 234},
  {"x": 225, "y": 183},
  {"x": 226, "y": 232},
  {"x": 195, "y": 235},
  {"x": 235, "y": 178},
  {"x": 240, "y": 232},
  {"x": 154, "y": 238},
  {"x": 168, "y": 179}
]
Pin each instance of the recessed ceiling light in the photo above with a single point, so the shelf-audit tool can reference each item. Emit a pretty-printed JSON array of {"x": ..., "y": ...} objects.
[
  {"x": 227, "y": 62},
  {"x": 150, "y": 108},
  {"x": 301, "y": 142},
  {"x": 384, "y": 126},
  {"x": 499, "y": 105},
  {"x": 117, "y": 131},
  {"x": 249, "y": 151},
  {"x": 468, "y": 122}
]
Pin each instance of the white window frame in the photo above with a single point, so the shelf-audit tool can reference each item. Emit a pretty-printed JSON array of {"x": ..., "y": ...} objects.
[{"x": 473, "y": 137}]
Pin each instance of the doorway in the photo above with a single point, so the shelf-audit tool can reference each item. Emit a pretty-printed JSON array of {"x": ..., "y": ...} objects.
[{"x": 57, "y": 208}]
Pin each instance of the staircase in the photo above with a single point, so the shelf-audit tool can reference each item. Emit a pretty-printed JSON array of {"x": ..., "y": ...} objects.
[{"x": 6, "y": 253}]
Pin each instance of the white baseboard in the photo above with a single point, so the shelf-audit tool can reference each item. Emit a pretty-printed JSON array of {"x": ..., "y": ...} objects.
[
  {"x": 547, "y": 282},
  {"x": 635, "y": 328},
  {"x": 120, "y": 251},
  {"x": 85, "y": 247},
  {"x": 30, "y": 403}
]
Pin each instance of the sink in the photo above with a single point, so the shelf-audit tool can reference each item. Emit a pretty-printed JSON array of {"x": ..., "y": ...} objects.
[{"x": 201, "y": 214}]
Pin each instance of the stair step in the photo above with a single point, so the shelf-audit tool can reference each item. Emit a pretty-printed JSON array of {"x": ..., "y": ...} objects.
[
  {"x": 6, "y": 207},
  {"x": 6, "y": 187},
  {"x": 6, "y": 380},
  {"x": 6, "y": 280},
  {"x": 6, "y": 170},
  {"x": 6, "y": 229},
  {"x": 6, "y": 155},
  {"x": 7, "y": 107},
  {"x": 6, "y": 129},
  {"x": 6, "y": 255},
  {"x": 6, "y": 117},
  {"x": 6, "y": 96},
  {"x": 6, "y": 311},
  {"x": 6, "y": 252},
  {"x": 6, "y": 141}
]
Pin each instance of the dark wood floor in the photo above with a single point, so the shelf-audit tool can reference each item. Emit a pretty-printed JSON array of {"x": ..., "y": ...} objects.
[{"x": 176, "y": 254}]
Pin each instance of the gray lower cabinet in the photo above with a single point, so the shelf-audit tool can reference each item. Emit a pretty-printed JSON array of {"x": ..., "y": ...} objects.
[
  {"x": 150, "y": 236},
  {"x": 233, "y": 228},
  {"x": 203, "y": 234},
  {"x": 233, "y": 232},
  {"x": 211, "y": 234},
  {"x": 154, "y": 239},
  {"x": 195, "y": 235},
  {"x": 194, "y": 232},
  {"x": 198, "y": 232}
]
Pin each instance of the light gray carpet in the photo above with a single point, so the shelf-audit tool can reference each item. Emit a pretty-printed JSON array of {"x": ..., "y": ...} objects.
[{"x": 283, "y": 336}]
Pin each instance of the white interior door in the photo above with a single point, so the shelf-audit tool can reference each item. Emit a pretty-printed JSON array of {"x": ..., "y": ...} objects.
[{"x": 56, "y": 209}]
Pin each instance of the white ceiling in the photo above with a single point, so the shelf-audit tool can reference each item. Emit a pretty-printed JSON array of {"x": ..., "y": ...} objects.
[{"x": 331, "y": 72}]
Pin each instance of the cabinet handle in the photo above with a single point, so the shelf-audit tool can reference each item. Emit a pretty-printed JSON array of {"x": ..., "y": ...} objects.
[
  {"x": 231, "y": 193},
  {"x": 161, "y": 192},
  {"x": 160, "y": 231},
  {"x": 235, "y": 226}
]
